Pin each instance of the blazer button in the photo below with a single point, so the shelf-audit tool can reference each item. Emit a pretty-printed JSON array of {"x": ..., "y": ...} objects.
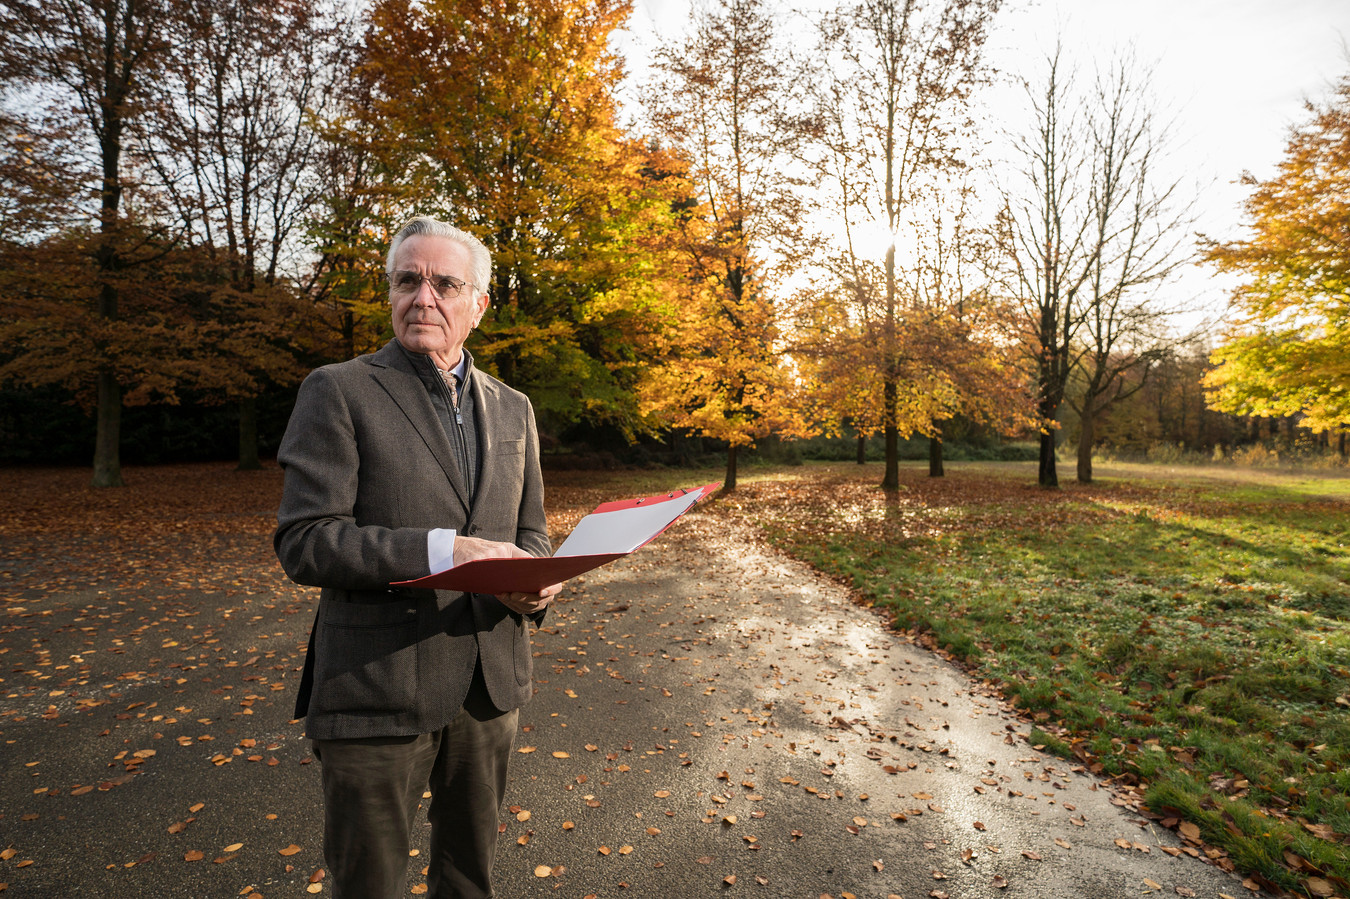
[{"x": 473, "y": 529}]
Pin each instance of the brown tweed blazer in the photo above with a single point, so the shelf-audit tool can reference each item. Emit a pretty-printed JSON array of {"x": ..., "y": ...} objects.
[{"x": 368, "y": 471}]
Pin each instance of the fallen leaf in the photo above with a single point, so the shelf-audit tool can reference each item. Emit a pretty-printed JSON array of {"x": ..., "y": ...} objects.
[
  {"x": 561, "y": 755},
  {"x": 233, "y": 847},
  {"x": 1318, "y": 887},
  {"x": 542, "y": 871},
  {"x": 999, "y": 882}
]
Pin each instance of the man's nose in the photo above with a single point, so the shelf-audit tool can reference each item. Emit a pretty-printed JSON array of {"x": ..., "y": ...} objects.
[{"x": 425, "y": 295}]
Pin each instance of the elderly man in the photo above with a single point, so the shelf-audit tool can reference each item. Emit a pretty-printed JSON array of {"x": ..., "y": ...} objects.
[{"x": 398, "y": 464}]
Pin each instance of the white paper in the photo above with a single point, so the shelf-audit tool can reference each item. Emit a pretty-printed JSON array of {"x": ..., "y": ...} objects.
[{"x": 624, "y": 530}]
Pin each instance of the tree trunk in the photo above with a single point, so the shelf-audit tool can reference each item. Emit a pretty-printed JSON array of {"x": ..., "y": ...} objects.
[
  {"x": 1086, "y": 437},
  {"x": 935, "y": 457},
  {"x": 862, "y": 448},
  {"x": 1340, "y": 445},
  {"x": 248, "y": 435},
  {"x": 1048, "y": 477},
  {"x": 108, "y": 436},
  {"x": 729, "y": 482},
  {"x": 891, "y": 480}
]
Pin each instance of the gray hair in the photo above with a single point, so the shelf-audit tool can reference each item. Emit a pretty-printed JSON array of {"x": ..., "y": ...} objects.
[{"x": 480, "y": 260}]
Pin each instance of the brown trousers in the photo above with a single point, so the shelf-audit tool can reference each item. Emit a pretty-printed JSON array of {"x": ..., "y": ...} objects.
[{"x": 371, "y": 791}]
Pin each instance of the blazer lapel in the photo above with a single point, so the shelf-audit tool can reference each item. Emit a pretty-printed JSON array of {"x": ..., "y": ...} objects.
[{"x": 393, "y": 372}]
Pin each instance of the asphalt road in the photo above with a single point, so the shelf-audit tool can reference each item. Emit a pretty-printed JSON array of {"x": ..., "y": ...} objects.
[{"x": 710, "y": 719}]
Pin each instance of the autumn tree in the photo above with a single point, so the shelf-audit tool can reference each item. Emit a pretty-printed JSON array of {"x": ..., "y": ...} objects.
[
  {"x": 345, "y": 280},
  {"x": 967, "y": 360},
  {"x": 96, "y": 57},
  {"x": 1288, "y": 349},
  {"x": 52, "y": 324},
  {"x": 954, "y": 356},
  {"x": 723, "y": 102},
  {"x": 1168, "y": 413},
  {"x": 37, "y": 191},
  {"x": 238, "y": 163},
  {"x": 892, "y": 92},
  {"x": 501, "y": 117}
]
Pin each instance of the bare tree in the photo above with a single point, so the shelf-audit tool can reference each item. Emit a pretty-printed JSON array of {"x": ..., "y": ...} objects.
[
  {"x": 1045, "y": 231},
  {"x": 1092, "y": 231},
  {"x": 1141, "y": 220}
]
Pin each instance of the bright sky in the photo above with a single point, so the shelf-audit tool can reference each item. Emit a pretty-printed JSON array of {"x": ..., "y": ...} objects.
[{"x": 1235, "y": 74}]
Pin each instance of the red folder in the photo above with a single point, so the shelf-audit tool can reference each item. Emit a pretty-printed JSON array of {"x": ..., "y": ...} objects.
[{"x": 611, "y": 532}]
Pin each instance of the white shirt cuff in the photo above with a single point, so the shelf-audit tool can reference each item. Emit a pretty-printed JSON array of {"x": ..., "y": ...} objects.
[{"x": 440, "y": 549}]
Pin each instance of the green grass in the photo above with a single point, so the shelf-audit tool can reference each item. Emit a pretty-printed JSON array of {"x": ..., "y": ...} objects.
[{"x": 1193, "y": 633}]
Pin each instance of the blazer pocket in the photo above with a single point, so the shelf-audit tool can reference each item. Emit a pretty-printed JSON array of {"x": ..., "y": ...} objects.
[
  {"x": 521, "y": 653},
  {"x": 509, "y": 447},
  {"x": 366, "y": 657}
]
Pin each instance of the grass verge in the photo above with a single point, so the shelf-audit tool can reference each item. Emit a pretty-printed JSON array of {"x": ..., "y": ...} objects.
[{"x": 1188, "y": 638}]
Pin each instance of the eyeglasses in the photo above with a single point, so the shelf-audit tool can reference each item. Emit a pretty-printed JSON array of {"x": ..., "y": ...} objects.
[{"x": 444, "y": 286}]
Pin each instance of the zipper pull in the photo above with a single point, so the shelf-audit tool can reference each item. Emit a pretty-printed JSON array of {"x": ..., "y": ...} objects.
[{"x": 449, "y": 380}]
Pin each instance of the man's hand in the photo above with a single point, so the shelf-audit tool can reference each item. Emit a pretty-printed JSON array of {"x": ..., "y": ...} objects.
[
  {"x": 529, "y": 603},
  {"x": 467, "y": 549}
]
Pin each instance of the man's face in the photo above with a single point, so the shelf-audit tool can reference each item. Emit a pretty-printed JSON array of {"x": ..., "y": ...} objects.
[{"x": 423, "y": 321}]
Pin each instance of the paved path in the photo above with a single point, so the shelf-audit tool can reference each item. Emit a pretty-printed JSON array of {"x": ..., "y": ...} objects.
[{"x": 711, "y": 719}]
